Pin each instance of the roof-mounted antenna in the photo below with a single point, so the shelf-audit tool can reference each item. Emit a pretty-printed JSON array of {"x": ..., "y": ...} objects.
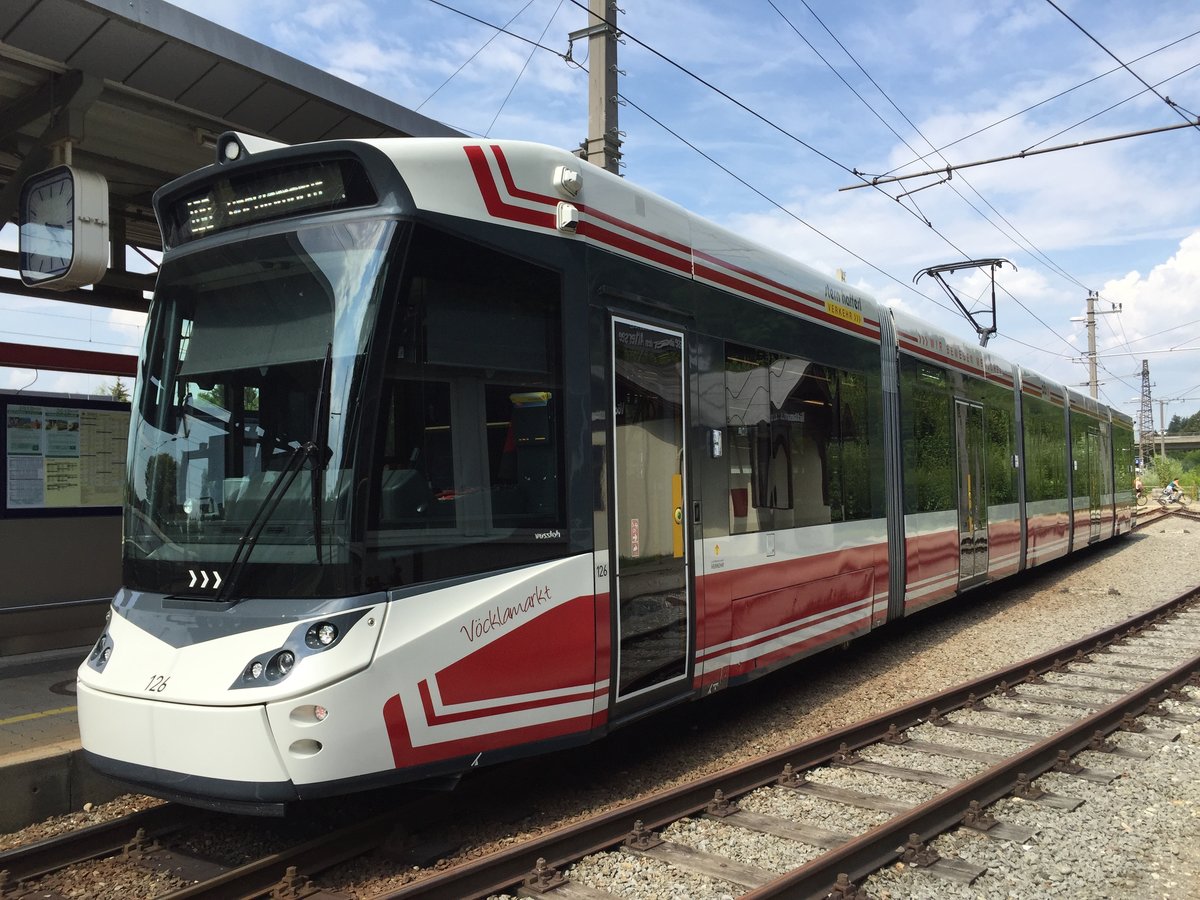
[{"x": 984, "y": 330}]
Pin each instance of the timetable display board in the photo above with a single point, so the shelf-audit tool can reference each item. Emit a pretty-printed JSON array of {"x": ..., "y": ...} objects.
[{"x": 63, "y": 454}]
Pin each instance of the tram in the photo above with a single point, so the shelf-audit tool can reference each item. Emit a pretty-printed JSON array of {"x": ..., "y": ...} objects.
[{"x": 449, "y": 451}]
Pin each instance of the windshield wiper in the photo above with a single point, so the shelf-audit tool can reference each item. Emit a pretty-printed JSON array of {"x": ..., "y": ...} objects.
[
  {"x": 266, "y": 509},
  {"x": 317, "y": 450}
]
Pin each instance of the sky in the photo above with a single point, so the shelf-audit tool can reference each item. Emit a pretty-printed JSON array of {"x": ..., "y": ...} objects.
[{"x": 756, "y": 114}]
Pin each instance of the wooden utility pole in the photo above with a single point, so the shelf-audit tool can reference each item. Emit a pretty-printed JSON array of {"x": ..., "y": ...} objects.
[{"x": 603, "y": 144}]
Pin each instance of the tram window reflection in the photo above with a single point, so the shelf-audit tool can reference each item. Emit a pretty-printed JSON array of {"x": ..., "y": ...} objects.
[
  {"x": 797, "y": 441},
  {"x": 471, "y": 448}
]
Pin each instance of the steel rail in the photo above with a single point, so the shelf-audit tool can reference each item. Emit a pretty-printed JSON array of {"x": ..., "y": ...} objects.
[
  {"x": 498, "y": 871},
  {"x": 258, "y": 877},
  {"x": 877, "y": 847},
  {"x": 103, "y": 839}
]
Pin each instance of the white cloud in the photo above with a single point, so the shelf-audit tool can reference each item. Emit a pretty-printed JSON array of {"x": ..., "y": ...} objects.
[{"x": 1161, "y": 310}]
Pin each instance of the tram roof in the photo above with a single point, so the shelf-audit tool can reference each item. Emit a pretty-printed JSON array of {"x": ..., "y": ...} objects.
[{"x": 142, "y": 89}]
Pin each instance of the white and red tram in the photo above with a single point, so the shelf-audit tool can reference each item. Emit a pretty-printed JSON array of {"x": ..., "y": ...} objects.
[{"x": 447, "y": 451}]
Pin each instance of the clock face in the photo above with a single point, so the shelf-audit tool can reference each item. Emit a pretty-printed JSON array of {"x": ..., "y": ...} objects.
[{"x": 47, "y": 225}]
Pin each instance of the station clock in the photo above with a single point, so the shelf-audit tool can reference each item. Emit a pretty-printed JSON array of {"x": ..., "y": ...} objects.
[{"x": 63, "y": 228}]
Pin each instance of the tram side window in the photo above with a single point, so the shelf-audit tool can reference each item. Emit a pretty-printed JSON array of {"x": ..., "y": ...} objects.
[
  {"x": 796, "y": 438},
  {"x": 747, "y": 413},
  {"x": 1087, "y": 453},
  {"x": 853, "y": 456},
  {"x": 1103, "y": 462},
  {"x": 471, "y": 442},
  {"x": 1000, "y": 449},
  {"x": 927, "y": 438},
  {"x": 1123, "y": 455},
  {"x": 1045, "y": 452}
]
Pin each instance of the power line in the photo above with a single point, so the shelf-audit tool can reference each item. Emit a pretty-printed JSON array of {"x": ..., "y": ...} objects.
[
  {"x": 778, "y": 205},
  {"x": 783, "y": 131},
  {"x": 59, "y": 338},
  {"x": 773, "y": 125},
  {"x": 1108, "y": 354},
  {"x": 1170, "y": 330},
  {"x": 53, "y": 315},
  {"x": 1107, "y": 109},
  {"x": 876, "y": 180},
  {"x": 1166, "y": 100},
  {"x": 789, "y": 135},
  {"x": 498, "y": 31},
  {"x": 712, "y": 87},
  {"x": 1052, "y": 98},
  {"x": 1021, "y": 237},
  {"x": 739, "y": 104},
  {"x": 504, "y": 30},
  {"x": 504, "y": 102},
  {"x": 840, "y": 246}
]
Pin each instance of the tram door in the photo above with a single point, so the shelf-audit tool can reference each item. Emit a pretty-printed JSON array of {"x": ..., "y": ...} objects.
[
  {"x": 652, "y": 599},
  {"x": 972, "y": 500}
]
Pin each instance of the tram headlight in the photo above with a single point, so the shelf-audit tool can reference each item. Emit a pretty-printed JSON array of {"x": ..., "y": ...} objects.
[
  {"x": 281, "y": 664},
  {"x": 267, "y": 669},
  {"x": 101, "y": 652},
  {"x": 321, "y": 635}
]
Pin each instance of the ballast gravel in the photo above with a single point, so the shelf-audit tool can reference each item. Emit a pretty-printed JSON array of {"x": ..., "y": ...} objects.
[{"x": 1137, "y": 837}]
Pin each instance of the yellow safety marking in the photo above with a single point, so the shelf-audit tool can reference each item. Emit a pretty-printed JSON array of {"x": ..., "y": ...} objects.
[
  {"x": 677, "y": 503},
  {"x": 38, "y": 715}
]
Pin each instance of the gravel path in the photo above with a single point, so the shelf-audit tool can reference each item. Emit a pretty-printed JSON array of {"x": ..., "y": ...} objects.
[{"x": 1133, "y": 838}]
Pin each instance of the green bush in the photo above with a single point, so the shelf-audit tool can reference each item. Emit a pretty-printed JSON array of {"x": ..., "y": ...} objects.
[{"x": 1161, "y": 470}]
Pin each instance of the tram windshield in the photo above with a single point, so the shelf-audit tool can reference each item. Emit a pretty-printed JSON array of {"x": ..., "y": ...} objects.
[
  {"x": 266, "y": 462},
  {"x": 245, "y": 409}
]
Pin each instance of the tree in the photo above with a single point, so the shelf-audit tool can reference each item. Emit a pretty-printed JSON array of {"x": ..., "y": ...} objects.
[
  {"x": 1189, "y": 460},
  {"x": 1184, "y": 424},
  {"x": 216, "y": 397},
  {"x": 161, "y": 492},
  {"x": 117, "y": 390}
]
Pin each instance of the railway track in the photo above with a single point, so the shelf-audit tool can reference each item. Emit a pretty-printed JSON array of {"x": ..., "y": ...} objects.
[
  {"x": 1182, "y": 513},
  {"x": 1155, "y": 513},
  {"x": 1150, "y": 514},
  {"x": 835, "y": 861},
  {"x": 164, "y": 840},
  {"x": 23, "y": 865}
]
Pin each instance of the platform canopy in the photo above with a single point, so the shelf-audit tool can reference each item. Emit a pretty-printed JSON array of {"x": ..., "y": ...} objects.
[{"x": 141, "y": 89}]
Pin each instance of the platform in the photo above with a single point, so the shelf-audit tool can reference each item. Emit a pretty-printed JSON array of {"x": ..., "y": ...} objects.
[{"x": 41, "y": 767}]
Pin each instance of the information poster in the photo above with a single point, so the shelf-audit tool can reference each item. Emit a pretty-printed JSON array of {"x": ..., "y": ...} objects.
[{"x": 62, "y": 457}]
